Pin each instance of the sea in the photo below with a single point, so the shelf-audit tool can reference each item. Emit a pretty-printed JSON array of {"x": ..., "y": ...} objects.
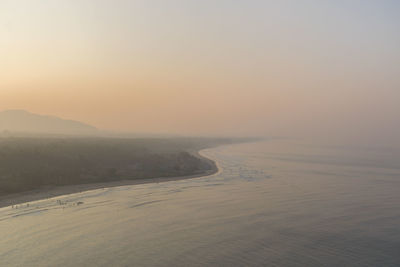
[{"x": 279, "y": 202}]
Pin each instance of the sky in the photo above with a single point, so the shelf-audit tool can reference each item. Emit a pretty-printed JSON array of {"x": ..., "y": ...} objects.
[{"x": 311, "y": 68}]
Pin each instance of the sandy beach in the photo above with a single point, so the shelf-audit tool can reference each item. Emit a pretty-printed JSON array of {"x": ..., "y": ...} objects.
[{"x": 54, "y": 191}]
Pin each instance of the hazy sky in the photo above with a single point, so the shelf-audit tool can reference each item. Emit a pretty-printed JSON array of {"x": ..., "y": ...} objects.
[{"x": 320, "y": 68}]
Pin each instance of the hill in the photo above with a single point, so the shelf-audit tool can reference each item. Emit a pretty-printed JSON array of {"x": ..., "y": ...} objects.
[{"x": 21, "y": 121}]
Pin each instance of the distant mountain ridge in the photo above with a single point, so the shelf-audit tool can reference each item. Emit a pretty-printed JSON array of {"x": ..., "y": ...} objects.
[{"x": 22, "y": 121}]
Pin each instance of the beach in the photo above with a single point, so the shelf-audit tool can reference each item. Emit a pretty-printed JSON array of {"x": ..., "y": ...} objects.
[
  {"x": 54, "y": 191},
  {"x": 277, "y": 203}
]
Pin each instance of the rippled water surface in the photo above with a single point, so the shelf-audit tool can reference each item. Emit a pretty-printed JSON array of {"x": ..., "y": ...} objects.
[{"x": 278, "y": 203}]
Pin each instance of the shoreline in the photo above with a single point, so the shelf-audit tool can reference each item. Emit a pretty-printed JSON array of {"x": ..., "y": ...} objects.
[{"x": 47, "y": 192}]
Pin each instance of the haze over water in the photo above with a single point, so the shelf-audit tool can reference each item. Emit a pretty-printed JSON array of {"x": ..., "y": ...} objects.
[
  {"x": 324, "y": 71},
  {"x": 321, "y": 69},
  {"x": 276, "y": 203}
]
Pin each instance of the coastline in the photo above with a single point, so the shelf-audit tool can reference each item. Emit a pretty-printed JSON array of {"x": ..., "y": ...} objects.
[{"x": 55, "y": 191}]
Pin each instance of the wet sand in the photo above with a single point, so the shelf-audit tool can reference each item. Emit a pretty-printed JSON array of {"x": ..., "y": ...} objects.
[{"x": 54, "y": 191}]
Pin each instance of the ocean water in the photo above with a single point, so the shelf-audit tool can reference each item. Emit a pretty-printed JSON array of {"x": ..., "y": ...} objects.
[{"x": 275, "y": 203}]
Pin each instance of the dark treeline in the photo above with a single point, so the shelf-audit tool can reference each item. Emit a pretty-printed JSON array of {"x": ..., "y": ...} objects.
[{"x": 29, "y": 163}]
